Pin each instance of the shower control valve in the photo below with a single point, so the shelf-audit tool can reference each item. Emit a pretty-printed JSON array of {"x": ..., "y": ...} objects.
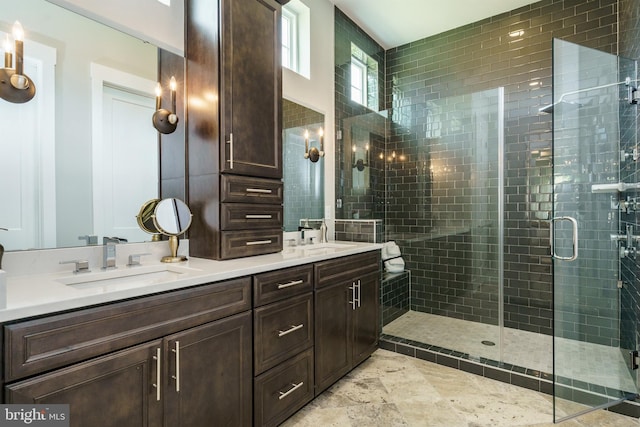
[{"x": 628, "y": 252}]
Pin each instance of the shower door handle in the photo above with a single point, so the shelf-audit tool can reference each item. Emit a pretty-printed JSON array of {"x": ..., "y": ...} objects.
[{"x": 574, "y": 226}]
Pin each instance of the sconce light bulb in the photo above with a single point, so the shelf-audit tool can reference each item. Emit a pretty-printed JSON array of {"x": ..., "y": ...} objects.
[
  {"x": 306, "y": 134},
  {"x": 381, "y": 156},
  {"x": 173, "y": 84},
  {"x": 353, "y": 148},
  {"x": 18, "y": 32},
  {"x": 158, "y": 89},
  {"x": 366, "y": 147},
  {"x": 7, "y": 44},
  {"x": 320, "y": 132}
]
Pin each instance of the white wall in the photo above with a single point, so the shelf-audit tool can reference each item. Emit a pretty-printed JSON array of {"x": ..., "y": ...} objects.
[
  {"x": 318, "y": 91},
  {"x": 148, "y": 20}
]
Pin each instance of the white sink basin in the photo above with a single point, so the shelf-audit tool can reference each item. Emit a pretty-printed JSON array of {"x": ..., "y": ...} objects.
[
  {"x": 329, "y": 246},
  {"x": 125, "y": 278}
]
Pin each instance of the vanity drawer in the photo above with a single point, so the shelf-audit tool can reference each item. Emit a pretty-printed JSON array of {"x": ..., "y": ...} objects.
[
  {"x": 39, "y": 345},
  {"x": 243, "y": 216},
  {"x": 280, "y": 392},
  {"x": 346, "y": 268},
  {"x": 277, "y": 285},
  {"x": 237, "y": 244},
  {"x": 246, "y": 189},
  {"x": 281, "y": 330}
]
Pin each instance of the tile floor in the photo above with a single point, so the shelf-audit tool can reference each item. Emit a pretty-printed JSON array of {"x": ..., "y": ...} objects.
[
  {"x": 390, "y": 389},
  {"x": 604, "y": 365}
]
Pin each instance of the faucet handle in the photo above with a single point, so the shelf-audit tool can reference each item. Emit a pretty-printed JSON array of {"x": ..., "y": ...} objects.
[
  {"x": 91, "y": 239},
  {"x": 82, "y": 265},
  {"x": 134, "y": 259}
]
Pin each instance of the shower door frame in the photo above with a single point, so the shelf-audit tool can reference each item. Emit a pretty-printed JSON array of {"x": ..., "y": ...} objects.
[{"x": 575, "y": 178}]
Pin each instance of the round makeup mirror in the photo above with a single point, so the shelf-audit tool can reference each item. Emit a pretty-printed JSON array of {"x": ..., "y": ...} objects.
[
  {"x": 145, "y": 219},
  {"x": 172, "y": 217}
]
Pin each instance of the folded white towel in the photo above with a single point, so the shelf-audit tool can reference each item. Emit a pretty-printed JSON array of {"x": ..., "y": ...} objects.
[
  {"x": 395, "y": 265},
  {"x": 390, "y": 250}
]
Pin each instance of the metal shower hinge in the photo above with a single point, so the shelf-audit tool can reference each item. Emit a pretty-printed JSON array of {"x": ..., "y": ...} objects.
[
  {"x": 634, "y": 359},
  {"x": 634, "y": 96}
]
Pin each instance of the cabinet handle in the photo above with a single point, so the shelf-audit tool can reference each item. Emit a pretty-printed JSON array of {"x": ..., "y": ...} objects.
[
  {"x": 292, "y": 329},
  {"x": 291, "y": 283},
  {"x": 353, "y": 296},
  {"x": 230, "y": 142},
  {"x": 177, "y": 375},
  {"x": 248, "y": 216},
  {"x": 158, "y": 371},
  {"x": 259, "y": 190},
  {"x": 284, "y": 394},
  {"x": 358, "y": 293},
  {"x": 258, "y": 242}
]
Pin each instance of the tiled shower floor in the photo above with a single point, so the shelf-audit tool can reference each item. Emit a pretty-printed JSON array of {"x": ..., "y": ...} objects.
[{"x": 604, "y": 365}]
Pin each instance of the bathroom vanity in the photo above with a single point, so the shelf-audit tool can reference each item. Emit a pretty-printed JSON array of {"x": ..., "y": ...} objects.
[{"x": 239, "y": 342}]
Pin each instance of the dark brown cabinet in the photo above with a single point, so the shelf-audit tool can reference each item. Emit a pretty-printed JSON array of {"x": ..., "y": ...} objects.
[
  {"x": 235, "y": 127},
  {"x": 283, "y": 343},
  {"x": 111, "y": 391},
  {"x": 346, "y": 315},
  {"x": 251, "y": 102},
  {"x": 209, "y": 378},
  {"x": 190, "y": 363}
]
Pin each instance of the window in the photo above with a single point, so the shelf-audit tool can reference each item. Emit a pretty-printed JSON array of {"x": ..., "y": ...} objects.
[
  {"x": 364, "y": 78},
  {"x": 358, "y": 81},
  {"x": 289, "y": 39},
  {"x": 296, "y": 37}
]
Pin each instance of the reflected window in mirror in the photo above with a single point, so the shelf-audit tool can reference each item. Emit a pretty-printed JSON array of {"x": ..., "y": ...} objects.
[{"x": 303, "y": 179}]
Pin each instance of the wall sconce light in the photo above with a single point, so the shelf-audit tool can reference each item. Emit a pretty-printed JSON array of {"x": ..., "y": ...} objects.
[
  {"x": 15, "y": 86},
  {"x": 313, "y": 154},
  {"x": 359, "y": 164},
  {"x": 165, "y": 121}
]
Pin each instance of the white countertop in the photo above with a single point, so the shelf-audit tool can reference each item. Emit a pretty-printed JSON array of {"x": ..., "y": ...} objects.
[{"x": 43, "y": 293}]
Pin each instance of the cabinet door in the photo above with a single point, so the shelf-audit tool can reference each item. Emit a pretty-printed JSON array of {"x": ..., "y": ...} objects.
[
  {"x": 332, "y": 334},
  {"x": 209, "y": 374},
  {"x": 251, "y": 101},
  {"x": 365, "y": 317},
  {"x": 117, "y": 390}
]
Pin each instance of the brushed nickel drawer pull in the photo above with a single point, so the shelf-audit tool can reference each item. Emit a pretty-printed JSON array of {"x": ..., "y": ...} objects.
[
  {"x": 258, "y": 242},
  {"x": 230, "y": 150},
  {"x": 284, "y": 394},
  {"x": 249, "y": 216},
  {"x": 177, "y": 375},
  {"x": 259, "y": 190},
  {"x": 158, "y": 371},
  {"x": 353, "y": 301},
  {"x": 291, "y": 283},
  {"x": 292, "y": 329}
]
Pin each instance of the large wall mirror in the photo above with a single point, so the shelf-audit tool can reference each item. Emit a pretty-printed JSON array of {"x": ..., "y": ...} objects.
[
  {"x": 82, "y": 156},
  {"x": 303, "y": 179}
]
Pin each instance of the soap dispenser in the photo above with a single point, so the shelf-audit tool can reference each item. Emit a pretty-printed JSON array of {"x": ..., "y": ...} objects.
[{"x": 323, "y": 232}]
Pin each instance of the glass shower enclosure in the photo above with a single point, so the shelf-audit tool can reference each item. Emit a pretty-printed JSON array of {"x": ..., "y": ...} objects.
[{"x": 593, "y": 236}]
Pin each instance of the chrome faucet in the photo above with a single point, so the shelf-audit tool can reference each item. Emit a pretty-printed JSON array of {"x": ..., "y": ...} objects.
[{"x": 109, "y": 252}]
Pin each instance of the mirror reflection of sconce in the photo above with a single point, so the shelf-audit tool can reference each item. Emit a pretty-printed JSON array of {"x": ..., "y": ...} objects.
[
  {"x": 15, "y": 86},
  {"x": 359, "y": 164},
  {"x": 172, "y": 217},
  {"x": 165, "y": 121},
  {"x": 313, "y": 154}
]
